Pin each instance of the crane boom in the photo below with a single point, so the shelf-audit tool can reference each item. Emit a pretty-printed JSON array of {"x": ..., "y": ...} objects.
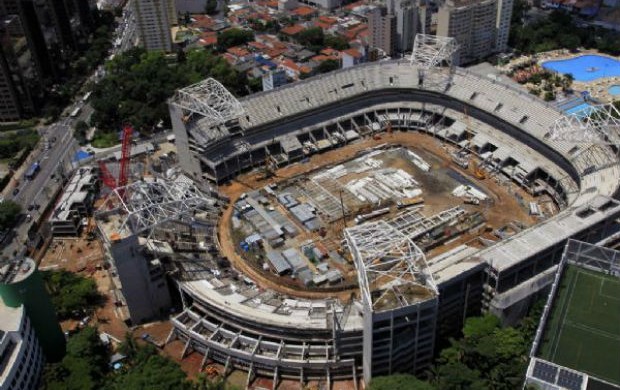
[
  {"x": 125, "y": 155},
  {"x": 106, "y": 176}
]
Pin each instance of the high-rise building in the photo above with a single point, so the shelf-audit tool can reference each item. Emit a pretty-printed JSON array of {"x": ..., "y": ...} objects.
[
  {"x": 21, "y": 358},
  {"x": 412, "y": 17},
  {"x": 382, "y": 26},
  {"x": 473, "y": 23},
  {"x": 153, "y": 22},
  {"x": 21, "y": 284},
  {"x": 504, "y": 15}
]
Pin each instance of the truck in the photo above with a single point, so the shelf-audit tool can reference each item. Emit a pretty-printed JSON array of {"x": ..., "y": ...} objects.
[
  {"x": 32, "y": 171},
  {"x": 406, "y": 202}
]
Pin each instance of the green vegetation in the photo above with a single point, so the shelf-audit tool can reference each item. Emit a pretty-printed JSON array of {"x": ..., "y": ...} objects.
[
  {"x": 12, "y": 142},
  {"x": 211, "y": 7},
  {"x": 558, "y": 31},
  {"x": 315, "y": 39},
  {"x": 138, "y": 84},
  {"x": 234, "y": 37},
  {"x": 9, "y": 211},
  {"x": 72, "y": 295},
  {"x": 399, "y": 381},
  {"x": 86, "y": 367},
  {"x": 82, "y": 65},
  {"x": 582, "y": 332},
  {"x": 81, "y": 128},
  {"x": 83, "y": 367},
  {"x": 105, "y": 139},
  {"x": 487, "y": 356},
  {"x": 23, "y": 124},
  {"x": 328, "y": 66}
]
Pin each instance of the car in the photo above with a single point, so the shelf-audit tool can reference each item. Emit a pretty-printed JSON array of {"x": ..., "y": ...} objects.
[
  {"x": 53, "y": 139},
  {"x": 30, "y": 207},
  {"x": 15, "y": 191},
  {"x": 37, "y": 206}
]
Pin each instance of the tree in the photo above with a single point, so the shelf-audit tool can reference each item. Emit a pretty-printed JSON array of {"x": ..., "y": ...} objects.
[
  {"x": 148, "y": 370},
  {"x": 234, "y": 37},
  {"x": 328, "y": 66},
  {"x": 399, "y": 381},
  {"x": 313, "y": 38},
  {"x": 71, "y": 293},
  {"x": 9, "y": 210},
  {"x": 211, "y": 7},
  {"x": 83, "y": 367},
  {"x": 336, "y": 42}
]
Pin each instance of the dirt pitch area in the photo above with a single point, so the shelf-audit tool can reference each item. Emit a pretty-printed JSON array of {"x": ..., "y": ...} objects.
[{"x": 509, "y": 202}]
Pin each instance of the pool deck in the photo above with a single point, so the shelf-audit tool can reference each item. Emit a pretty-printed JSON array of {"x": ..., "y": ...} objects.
[{"x": 598, "y": 88}]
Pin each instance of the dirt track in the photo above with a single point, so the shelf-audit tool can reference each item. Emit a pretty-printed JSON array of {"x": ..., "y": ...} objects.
[{"x": 505, "y": 209}]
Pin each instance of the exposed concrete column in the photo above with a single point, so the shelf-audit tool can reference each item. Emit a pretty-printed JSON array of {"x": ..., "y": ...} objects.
[{"x": 186, "y": 348}]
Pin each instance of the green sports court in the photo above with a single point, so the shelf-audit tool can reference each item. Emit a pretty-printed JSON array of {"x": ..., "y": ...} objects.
[{"x": 583, "y": 330}]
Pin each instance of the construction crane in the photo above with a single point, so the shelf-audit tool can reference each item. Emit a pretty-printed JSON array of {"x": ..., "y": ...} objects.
[{"x": 123, "y": 175}]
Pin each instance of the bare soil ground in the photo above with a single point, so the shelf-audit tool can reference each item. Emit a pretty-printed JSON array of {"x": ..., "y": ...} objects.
[{"x": 510, "y": 203}]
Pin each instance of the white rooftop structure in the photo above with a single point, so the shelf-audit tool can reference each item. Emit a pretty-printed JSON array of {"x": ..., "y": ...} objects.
[
  {"x": 143, "y": 205},
  {"x": 599, "y": 124},
  {"x": 431, "y": 51},
  {"x": 210, "y": 99},
  {"x": 390, "y": 262}
]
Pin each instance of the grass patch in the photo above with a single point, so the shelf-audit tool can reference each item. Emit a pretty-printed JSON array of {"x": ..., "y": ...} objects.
[{"x": 105, "y": 140}]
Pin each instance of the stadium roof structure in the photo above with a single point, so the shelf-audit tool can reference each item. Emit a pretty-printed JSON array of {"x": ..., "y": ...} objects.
[
  {"x": 209, "y": 99},
  {"x": 143, "y": 205},
  {"x": 598, "y": 124},
  {"x": 432, "y": 51},
  {"x": 391, "y": 268}
]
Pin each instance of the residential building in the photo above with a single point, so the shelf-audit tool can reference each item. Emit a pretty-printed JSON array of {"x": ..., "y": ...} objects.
[
  {"x": 21, "y": 358},
  {"x": 473, "y": 23},
  {"x": 382, "y": 26},
  {"x": 153, "y": 22},
  {"x": 351, "y": 57},
  {"x": 504, "y": 15},
  {"x": 274, "y": 79},
  {"x": 412, "y": 17}
]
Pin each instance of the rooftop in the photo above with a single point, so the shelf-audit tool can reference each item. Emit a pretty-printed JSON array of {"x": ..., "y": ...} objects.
[{"x": 16, "y": 270}]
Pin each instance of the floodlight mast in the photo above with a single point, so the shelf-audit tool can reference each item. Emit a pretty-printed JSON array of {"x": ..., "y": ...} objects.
[{"x": 594, "y": 124}]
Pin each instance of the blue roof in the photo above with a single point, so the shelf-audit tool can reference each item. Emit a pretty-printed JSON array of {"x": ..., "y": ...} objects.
[{"x": 81, "y": 155}]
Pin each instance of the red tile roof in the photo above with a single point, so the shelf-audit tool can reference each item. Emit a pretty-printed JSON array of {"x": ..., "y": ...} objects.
[
  {"x": 238, "y": 51},
  {"x": 303, "y": 11},
  {"x": 353, "y": 53},
  {"x": 292, "y": 30}
]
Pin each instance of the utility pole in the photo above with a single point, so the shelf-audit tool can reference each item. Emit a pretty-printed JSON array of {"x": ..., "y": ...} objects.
[{"x": 344, "y": 216}]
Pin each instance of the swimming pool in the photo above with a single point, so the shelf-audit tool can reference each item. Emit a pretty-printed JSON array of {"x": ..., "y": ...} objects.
[
  {"x": 614, "y": 90},
  {"x": 586, "y": 68}
]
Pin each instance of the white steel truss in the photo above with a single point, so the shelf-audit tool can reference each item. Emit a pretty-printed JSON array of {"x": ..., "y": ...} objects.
[
  {"x": 432, "y": 51},
  {"x": 144, "y": 205},
  {"x": 391, "y": 269},
  {"x": 209, "y": 99},
  {"x": 598, "y": 124}
]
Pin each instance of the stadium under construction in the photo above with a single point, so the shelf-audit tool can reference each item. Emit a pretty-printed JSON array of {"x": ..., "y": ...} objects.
[{"x": 358, "y": 218}]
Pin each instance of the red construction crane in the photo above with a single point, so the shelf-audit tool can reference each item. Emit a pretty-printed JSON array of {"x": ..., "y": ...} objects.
[{"x": 123, "y": 176}]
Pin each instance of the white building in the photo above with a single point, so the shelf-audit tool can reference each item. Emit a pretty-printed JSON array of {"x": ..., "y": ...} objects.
[
  {"x": 153, "y": 21},
  {"x": 274, "y": 79},
  {"x": 21, "y": 358},
  {"x": 504, "y": 15}
]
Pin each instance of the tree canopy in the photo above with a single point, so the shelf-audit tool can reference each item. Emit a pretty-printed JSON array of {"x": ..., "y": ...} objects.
[
  {"x": 138, "y": 85},
  {"x": 9, "y": 210},
  {"x": 83, "y": 367},
  {"x": 71, "y": 293},
  {"x": 399, "y": 381},
  {"x": 234, "y": 37},
  {"x": 558, "y": 31}
]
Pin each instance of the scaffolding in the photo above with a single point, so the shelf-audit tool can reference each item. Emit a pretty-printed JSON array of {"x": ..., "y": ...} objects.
[
  {"x": 391, "y": 269},
  {"x": 141, "y": 206}
]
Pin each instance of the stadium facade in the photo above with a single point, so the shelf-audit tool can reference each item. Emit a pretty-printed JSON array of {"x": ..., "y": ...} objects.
[{"x": 326, "y": 339}]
